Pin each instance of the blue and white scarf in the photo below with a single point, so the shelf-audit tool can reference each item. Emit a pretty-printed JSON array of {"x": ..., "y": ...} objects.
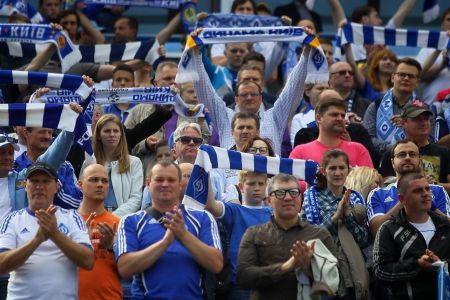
[
  {"x": 39, "y": 115},
  {"x": 105, "y": 53},
  {"x": 209, "y": 157},
  {"x": 313, "y": 214},
  {"x": 430, "y": 10},
  {"x": 149, "y": 95},
  {"x": 220, "y": 20},
  {"x": 387, "y": 131},
  {"x": 58, "y": 81},
  {"x": 21, "y": 7},
  {"x": 317, "y": 65},
  {"x": 375, "y": 35},
  {"x": 26, "y": 33},
  {"x": 171, "y": 4}
]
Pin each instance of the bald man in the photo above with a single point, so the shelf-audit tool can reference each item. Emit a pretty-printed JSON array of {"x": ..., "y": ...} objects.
[{"x": 101, "y": 225}]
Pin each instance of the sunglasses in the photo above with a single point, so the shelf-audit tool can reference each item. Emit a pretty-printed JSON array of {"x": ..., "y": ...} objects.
[
  {"x": 9, "y": 139},
  {"x": 343, "y": 72},
  {"x": 186, "y": 140}
]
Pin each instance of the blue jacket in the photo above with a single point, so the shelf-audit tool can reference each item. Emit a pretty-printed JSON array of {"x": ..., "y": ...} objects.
[{"x": 55, "y": 157}]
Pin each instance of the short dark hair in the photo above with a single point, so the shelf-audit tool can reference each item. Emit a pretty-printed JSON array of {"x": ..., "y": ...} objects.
[
  {"x": 405, "y": 180},
  {"x": 255, "y": 56},
  {"x": 360, "y": 12},
  {"x": 69, "y": 12},
  {"x": 245, "y": 115},
  {"x": 402, "y": 142},
  {"x": 324, "y": 104},
  {"x": 410, "y": 62},
  {"x": 444, "y": 14},
  {"x": 247, "y": 82},
  {"x": 236, "y": 3},
  {"x": 132, "y": 22},
  {"x": 41, "y": 2},
  {"x": 123, "y": 67},
  {"x": 327, "y": 41},
  {"x": 281, "y": 177},
  {"x": 164, "y": 163},
  {"x": 249, "y": 67}
]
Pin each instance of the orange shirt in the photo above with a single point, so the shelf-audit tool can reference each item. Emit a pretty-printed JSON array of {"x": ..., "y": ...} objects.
[{"x": 103, "y": 281}]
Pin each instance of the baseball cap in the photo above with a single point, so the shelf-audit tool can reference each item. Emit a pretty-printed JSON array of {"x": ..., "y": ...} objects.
[
  {"x": 415, "y": 108},
  {"x": 8, "y": 140},
  {"x": 39, "y": 166}
]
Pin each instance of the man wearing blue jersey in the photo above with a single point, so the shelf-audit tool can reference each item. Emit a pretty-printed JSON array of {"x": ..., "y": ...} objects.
[
  {"x": 382, "y": 203},
  {"x": 237, "y": 218},
  {"x": 165, "y": 247},
  {"x": 43, "y": 245}
]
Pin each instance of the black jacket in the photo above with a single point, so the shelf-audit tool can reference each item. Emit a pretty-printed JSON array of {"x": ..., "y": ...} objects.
[{"x": 398, "y": 246}]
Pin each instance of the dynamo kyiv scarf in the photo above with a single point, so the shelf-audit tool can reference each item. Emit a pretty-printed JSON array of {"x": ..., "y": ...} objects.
[
  {"x": 220, "y": 20},
  {"x": 58, "y": 81},
  {"x": 375, "y": 35},
  {"x": 317, "y": 65},
  {"x": 21, "y": 7},
  {"x": 104, "y": 53},
  {"x": 209, "y": 157},
  {"x": 39, "y": 115},
  {"x": 148, "y": 95},
  {"x": 26, "y": 33}
]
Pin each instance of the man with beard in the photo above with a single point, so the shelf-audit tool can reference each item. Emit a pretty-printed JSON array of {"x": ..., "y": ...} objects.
[
  {"x": 330, "y": 119},
  {"x": 382, "y": 203}
]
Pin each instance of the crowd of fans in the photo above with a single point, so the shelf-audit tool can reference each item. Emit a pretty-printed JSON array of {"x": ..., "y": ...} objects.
[{"x": 113, "y": 226}]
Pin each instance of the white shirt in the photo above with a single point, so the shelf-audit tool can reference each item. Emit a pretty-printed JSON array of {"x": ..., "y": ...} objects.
[
  {"x": 5, "y": 203},
  {"x": 47, "y": 273},
  {"x": 427, "y": 229}
]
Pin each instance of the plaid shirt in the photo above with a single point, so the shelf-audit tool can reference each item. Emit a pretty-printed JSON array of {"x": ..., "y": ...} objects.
[
  {"x": 327, "y": 204},
  {"x": 273, "y": 121}
]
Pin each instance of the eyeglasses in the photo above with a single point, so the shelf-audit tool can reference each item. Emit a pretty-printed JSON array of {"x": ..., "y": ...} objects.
[
  {"x": 246, "y": 95},
  {"x": 411, "y": 154},
  {"x": 403, "y": 75},
  {"x": 281, "y": 194},
  {"x": 343, "y": 72},
  {"x": 186, "y": 140},
  {"x": 10, "y": 139},
  {"x": 262, "y": 150}
]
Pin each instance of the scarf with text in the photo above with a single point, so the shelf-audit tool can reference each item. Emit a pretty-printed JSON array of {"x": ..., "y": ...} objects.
[
  {"x": 32, "y": 34},
  {"x": 209, "y": 157},
  {"x": 317, "y": 65}
]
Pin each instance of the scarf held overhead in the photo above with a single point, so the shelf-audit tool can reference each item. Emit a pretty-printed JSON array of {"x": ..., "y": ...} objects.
[
  {"x": 21, "y": 7},
  {"x": 317, "y": 65},
  {"x": 209, "y": 157},
  {"x": 375, "y": 35},
  {"x": 105, "y": 53},
  {"x": 26, "y": 33}
]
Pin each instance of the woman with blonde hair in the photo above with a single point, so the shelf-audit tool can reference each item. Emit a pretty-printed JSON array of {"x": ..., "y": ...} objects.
[
  {"x": 125, "y": 171},
  {"x": 363, "y": 180}
]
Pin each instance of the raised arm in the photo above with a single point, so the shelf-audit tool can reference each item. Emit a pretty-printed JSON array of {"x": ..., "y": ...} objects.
[
  {"x": 337, "y": 12},
  {"x": 403, "y": 11},
  {"x": 164, "y": 35},
  {"x": 96, "y": 35},
  {"x": 360, "y": 80}
]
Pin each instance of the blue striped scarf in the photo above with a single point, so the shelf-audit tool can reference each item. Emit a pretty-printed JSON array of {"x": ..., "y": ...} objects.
[
  {"x": 105, "y": 53},
  {"x": 21, "y": 7},
  {"x": 362, "y": 34},
  {"x": 209, "y": 157},
  {"x": 317, "y": 65},
  {"x": 26, "y": 33},
  {"x": 58, "y": 81}
]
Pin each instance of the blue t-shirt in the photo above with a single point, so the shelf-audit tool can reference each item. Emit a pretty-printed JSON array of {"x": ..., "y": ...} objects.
[
  {"x": 236, "y": 219},
  {"x": 381, "y": 200},
  {"x": 175, "y": 274}
]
